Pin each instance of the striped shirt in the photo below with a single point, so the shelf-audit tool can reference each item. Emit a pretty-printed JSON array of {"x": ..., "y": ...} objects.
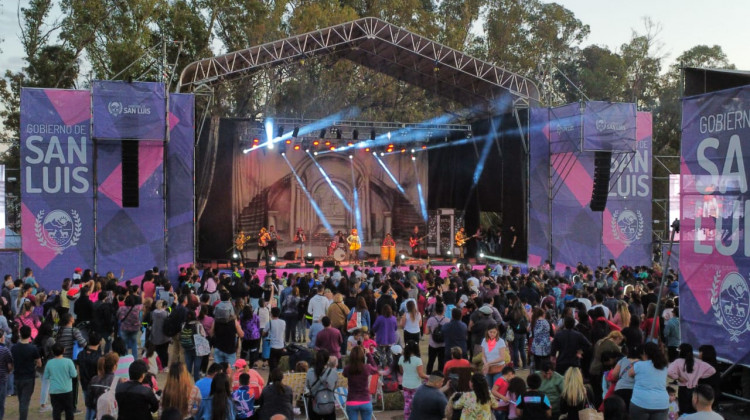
[
  {"x": 66, "y": 336},
  {"x": 5, "y": 360}
]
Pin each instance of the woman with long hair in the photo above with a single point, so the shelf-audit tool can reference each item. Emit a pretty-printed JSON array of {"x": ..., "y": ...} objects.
[
  {"x": 516, "y": 388},
  {"x": 619, "y": 374},
  {"x": 541, "y": 330},
  {"x": 361, "y": 309},
  {"x": 179, "y": 392},
  {"x": 494, "y": 351},
  {"x": 649, "y": 322},
  {"x": 361, "y": 365},
  {"x": 575, "y": 395},
  {"x": 218, "y": 405},
  {"x": 276, "y": 397},
  {"x": 322, "y": 376},
  {"x": 520, "y": 325},
  {"x": 612, "y": 343},
  {"x": 129, "y": 317},
  {"x": 650, "y": 400},
  {"x": 479, "y": 403},
  {"x": 622, "y": 316},
  {"x": 413, "y": 373},
  {"x": 688, "y": 370},
  {"x": 99, "y": 384},
  {"x": 290, "y": 314},
  {"x": 192, "y": 360},
  {"x": 27, "y": 317},
  {"x": 411, "y": 322},
  {"x": 385, "y": 328}
]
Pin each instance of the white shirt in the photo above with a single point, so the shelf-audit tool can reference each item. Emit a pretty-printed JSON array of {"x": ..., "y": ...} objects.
[
  {"x": 263, "y": 316},
  {"x": 606, "y": 310},
  {"x": 275, "y": 330},
  {"x": 318, "y": 307}
]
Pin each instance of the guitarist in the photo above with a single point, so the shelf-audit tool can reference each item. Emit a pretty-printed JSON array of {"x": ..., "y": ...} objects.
[
  {"x": 273, "y": 242},
  {"x": 239, "y": 243},
  {"x": 461, "y": 240},
  {"x": 263, "y": 239},
  {"x": 415, "y": 242}
]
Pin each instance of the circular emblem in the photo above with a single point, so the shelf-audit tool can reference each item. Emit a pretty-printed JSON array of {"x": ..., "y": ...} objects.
[
  {"x": 115, "y": 108},
  {"x": 627, "y": 225},
  {"x": 730, "y": 300},
  {"x": 58, "y": 229}
]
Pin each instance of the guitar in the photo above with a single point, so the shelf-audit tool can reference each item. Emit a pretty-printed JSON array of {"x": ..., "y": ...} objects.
[
  {"x": 414, "y": 242},
  {"x": 462, "y": 241}
]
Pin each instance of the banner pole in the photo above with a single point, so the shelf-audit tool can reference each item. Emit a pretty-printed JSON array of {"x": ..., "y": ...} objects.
[{"x": 675, "y": 229}]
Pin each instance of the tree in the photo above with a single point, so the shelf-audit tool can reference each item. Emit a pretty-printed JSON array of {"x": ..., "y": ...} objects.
[
  {"x": 598, "y": 72},
  {"x": 643, "y": 61}
]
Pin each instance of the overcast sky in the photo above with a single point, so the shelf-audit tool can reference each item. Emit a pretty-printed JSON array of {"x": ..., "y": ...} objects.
[{"x": 684, "y": 23}]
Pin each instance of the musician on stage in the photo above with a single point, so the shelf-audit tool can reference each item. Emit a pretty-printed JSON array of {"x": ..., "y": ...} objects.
[
  {"x": 388, "y": 240},
  {"x": 300, "y": 239},
  {"x": 273, "y": 242},
  {"x": 263, "y": 239},
  {"x": 461, "y": 242},
  {"x": 415, "y": 242},
  {"x": 354, "y": 245},
  {"x": 340, "y": 239},
  {"x": 239, "y": 243}
]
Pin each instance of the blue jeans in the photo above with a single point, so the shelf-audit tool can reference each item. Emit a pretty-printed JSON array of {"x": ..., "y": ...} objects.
[
  {"x": 491, "y": 378},
  {"x": 131, "y": 341},
  {"x": 3, "y": 394},
  {"x": 24, "y": 389},
  {"x": 518, "y": 348},
  {"x": 44, "y": 394},
  {"x": 193, "y": 364},
  {"x": 90, "y": 414},
  {"x": 220, "y": 356},
  {"x": 353, "y": 412}
]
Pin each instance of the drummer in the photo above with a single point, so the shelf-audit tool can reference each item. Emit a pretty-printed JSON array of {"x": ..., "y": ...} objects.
[
  {"x": 388, "y": 240},
  {"x": 340, "y": 239}
]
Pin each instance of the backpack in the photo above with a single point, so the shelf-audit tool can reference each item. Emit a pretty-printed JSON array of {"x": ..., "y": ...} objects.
[
  {"x": 437, "y": 334},
  {"x": 107, "y": 403},
  {"x": 252, "y": 327},
  {"x": 172, "y": 325},
  {"x": 186, "y": 336},
  {"x": 521, "y": 326},
  {"x": 323, "y": 400}
]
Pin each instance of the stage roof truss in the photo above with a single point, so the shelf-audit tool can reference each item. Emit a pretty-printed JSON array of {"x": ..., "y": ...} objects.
[{"x": 384, "y": 48}]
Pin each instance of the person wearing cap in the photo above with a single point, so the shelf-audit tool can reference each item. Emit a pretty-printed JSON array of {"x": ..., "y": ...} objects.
[
  {"x": 429, "y": 400},
  {"x": 256, "y": 380}
]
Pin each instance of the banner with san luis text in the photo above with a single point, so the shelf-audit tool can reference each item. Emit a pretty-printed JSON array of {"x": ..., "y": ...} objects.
[
  {"x": 56, "y": 183},
  {"x": 715, "y": 241}
]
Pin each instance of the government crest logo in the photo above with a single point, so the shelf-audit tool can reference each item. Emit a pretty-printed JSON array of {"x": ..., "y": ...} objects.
[
  {"x": 730, "y": 300},
  {"x": 58, "y": 230},
  {"x": 627, "y": 226},
  {"x": 114, "y": 108}
]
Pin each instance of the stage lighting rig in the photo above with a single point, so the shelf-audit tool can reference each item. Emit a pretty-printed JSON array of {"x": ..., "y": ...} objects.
[{"x": 309, "y": 260}]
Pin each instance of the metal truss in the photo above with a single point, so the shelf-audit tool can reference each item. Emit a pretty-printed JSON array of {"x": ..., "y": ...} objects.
[{"x": 385, "y": 48}]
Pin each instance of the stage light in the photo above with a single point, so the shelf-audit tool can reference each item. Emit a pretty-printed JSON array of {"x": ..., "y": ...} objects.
[
  {"x": 449, "y": 252},
  {"x": 367, "y": 149},
  {"x": 413, "y": 158},
  {"x": 403, "y": 257},
  {"x": 412, "y": 151},
  {"x": 424, "y": 147},
  {"x": 282, "y": 153},
  {"x": 307, "y": 150},
  {"x": 288, "y": 142},
  {"x": 315, "y": 153},
  {"x": 273, "y": 258},
  {"x": 256, "y": 140},
  {"x": 315, "y": 143},
  {"x": 296, "y": 147},
  {"x": 309, "y": 255},
  {"x": 270, "y": 145},
  {"x": 382, "y": 154},
  {"x": 403, "y": 150},
  {"x": 481, "y": 255},
  {"x": 328, "y": 143},
  {"x": 236, "y": 256},
  {"x": 351, "y": 157},
  {"x": 350, "y": 144},
  {"x": 310, "y": 198},
  {"x": 389, "y": 135},
  {"x": 390, "y": 146},
  {"x": 333, "y": 148}
]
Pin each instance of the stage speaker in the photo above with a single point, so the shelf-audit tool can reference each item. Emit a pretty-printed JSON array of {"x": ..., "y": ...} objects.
[
  {"x": 369, "y": 263},
  {"x": 293, "y": 265},
  {"x": 309, "y": 265},
  {"x": 422, "y": 253},
  {"x": 129, "y": 171},
  {"x": 289, "y": 256},
  {"x": 384, "y": 263},
  {"x": 251, "y": 264},
  {"x": 602, "y": 163},
  {"x": 329, "y": 263}
]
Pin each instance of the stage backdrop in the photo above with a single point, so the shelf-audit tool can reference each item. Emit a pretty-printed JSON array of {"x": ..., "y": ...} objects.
[
  {"x": 264, "y": 191},
  {"x": 562, "y": 227},
  {"x": 58, "y": 157},
  {"x": 715, "y": 241}
]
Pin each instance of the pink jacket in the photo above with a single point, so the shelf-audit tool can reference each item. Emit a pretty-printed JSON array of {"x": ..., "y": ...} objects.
[{"x": 701, "y": 370}]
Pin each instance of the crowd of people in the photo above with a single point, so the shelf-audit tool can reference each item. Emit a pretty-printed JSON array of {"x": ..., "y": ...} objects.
[{"x": 588, "y": 340}]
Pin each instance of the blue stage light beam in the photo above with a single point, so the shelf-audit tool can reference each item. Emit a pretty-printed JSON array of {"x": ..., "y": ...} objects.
[
  {"x": 314, "y": 205},
  {"x": 390, "y": 175},
  {"x": 422, "y": 204},
  {"x": 357, "y": 215},
  {"x": 331, "y": 184},
  {"x": 488, "y": 142},
  {"x": 269, "y": 133}
]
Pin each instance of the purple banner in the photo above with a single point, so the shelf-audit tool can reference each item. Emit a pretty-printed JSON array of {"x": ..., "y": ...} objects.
[
  {"x": 564, "y": 227},
  {"x": 130, "y": 238},
  {"x": 9, "y": 263},
  {"x": 56, "y": 183},
  {"x": 715, "y": 260},
  {"x": 609, "y": 126},
  {"x": 180, "y": 178},
  {"x": 565, "y": 130},
  {"x": 124, "y": 110}
]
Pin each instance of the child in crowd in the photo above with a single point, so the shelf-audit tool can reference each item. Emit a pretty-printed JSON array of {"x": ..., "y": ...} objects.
[
  {"x": 532, "y": 404},
  {"x": 244, "y": 402},
  {"x": 674, "y": 409},
  {"x": 367, "y": 342},
  {"x": 60, "y": 372},
  {"x": 152, "y": 360}
]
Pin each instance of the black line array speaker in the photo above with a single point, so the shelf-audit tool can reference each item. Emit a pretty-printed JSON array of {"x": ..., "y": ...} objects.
[
  {"x": 130, "y": 173},
  {"x": 602, "y": 168}
]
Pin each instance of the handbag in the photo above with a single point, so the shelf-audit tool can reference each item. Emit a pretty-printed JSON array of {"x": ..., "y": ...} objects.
[
  {"x": 355, "y": 322},
  {"x": 267, "y": 343},
  {"x": 590, "y": 413},
  {"x": 202, "y": 346}
]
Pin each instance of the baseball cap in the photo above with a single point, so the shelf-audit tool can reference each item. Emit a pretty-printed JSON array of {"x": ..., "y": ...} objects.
[
  {"x": 240, "y": 363},
  {"x": 396, "y": 349}
]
